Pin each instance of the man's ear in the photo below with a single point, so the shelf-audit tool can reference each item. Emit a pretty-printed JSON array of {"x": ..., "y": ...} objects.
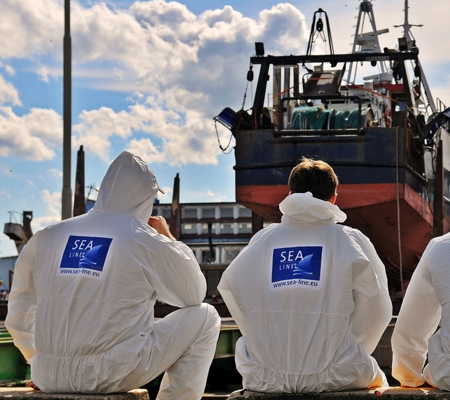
[{"x": 333, "y": 198}]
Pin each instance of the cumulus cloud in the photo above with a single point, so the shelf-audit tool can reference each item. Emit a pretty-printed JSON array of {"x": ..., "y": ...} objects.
[
  {"x": 52, "y": 203},
  {"x": 46, "y": 73},
  {"x": 8, "y": 93},
  {"x": 155, "y": 130},
  {"x": 32, "y": 136},
  {"x": 30, "y": 28},
  {"x": 186, "y": 67}
]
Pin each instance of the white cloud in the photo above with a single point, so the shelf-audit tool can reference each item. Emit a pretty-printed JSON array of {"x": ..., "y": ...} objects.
[
  {"x": 8, "y": 93},
  {"x": 52, "y": 215},
  {"x": 45, "y": 73},
  {"x": 57, "y": 173},
  {"x": 176, "y": 137},
  {"x": 32, "y": 136},
  {"x": 214, "y": 197},
  {"x": 5, "y": 194},
  {"x": 167, "y": 196},
  {"x": 30, "y": 28},
  {"x": 192, "y": 65},
  {"x": 8, "y": 68}
]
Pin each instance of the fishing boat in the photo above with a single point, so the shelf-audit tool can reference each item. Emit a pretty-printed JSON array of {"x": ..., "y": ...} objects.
[{"x": 386, "y": 138}]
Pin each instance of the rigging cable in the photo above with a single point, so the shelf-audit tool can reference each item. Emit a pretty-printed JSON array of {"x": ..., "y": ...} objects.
[
  {"x": 399, "y": 236},
  {"x": 224, "y": 149}
]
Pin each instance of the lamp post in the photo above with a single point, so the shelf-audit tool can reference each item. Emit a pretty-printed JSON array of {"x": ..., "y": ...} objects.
[{"x": 66, "y": 198}]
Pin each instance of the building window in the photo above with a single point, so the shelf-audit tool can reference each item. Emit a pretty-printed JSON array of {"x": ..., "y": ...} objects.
[
  {"x": 205, "y": 229},
  {"x": 245, "y": 227},
  {"x": 190, "y": 212},
  {"x": 189, "y": 229},
  {"x": 244, "y": 212},
  {"x": 226, "y": 212},
  {"x": 207, "y": 258},
  {"x": 226, "y": 228},
  {"x": 166, "y": 213},
  {"x": 209, "y": 213},
  {"x": 229, "y": 255}
]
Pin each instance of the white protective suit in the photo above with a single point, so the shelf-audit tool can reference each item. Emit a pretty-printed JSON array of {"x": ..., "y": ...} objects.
[
  {"x": 310, "y": 298},
  {"x": 81, "y": 308},
  {"x": 427, "y": 301}
]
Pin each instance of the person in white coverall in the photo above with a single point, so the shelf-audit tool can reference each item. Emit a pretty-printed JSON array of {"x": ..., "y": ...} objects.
[
  {"x": 81, "y": 308},
  {"x": 310, "y": 297},
  {"x": 426, "y": 303}
]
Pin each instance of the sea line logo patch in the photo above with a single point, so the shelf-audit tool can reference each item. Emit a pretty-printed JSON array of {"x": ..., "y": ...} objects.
[
  {"x": 293, "y": 266},
  {"x": 84, "y": 255}
]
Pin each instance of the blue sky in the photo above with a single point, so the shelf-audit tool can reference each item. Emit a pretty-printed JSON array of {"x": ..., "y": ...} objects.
[{"x": 149, "y": 77}]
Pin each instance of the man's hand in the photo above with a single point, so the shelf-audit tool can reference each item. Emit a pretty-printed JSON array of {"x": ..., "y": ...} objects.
[{"x": 160, "y": 225}]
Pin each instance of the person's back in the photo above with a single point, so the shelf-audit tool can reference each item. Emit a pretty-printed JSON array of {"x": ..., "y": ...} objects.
[
  {"x": 426, "y": 303},
  {"x": 81, "y": 308},
  {"x": 304, "y": 293}
]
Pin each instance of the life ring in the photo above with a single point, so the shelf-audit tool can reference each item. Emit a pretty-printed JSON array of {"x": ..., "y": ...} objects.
[{"x": 387, "y": 118}]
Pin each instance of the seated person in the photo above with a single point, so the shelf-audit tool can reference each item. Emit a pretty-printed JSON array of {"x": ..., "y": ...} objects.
[
  {"x": 426, "y": 303},
  {"x": 309, "y": 296},
  {"x": 81, "y": 308}
]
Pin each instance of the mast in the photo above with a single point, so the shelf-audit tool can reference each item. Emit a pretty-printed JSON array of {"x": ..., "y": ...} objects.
[
  {"x": 412, "y": 43},
  {"x": 368, "y": 42}
]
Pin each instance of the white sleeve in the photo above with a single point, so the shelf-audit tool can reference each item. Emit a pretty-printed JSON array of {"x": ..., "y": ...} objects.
[
  {"x": 417, "y": 321},
  {"x": 21, "y": 317},
  {"x": 231, "y": 304},
  {"x": 175, "y": 274},
  {"x": 373, "y": 306}
]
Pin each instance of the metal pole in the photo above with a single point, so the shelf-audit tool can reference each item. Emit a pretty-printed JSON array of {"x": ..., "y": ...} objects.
[
  {"x": 438, "y": 220},
  {"x": 66, "y": 200},
  {"x": 79, "y": 203}
]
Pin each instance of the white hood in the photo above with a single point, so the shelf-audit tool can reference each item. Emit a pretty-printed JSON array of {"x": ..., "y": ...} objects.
[
  {"x": 303, "y": 207},
  {"x": 128, "y": 188}
]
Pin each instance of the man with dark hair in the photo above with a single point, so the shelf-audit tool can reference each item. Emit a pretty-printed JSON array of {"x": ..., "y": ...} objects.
[
  {"x": 314, "y": 176},
  {"x": 309, "y": 296}
]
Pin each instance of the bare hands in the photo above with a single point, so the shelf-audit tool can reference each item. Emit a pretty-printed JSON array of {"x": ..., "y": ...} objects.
[
  {"x": 160, "y": 225},
  {"x": 32, "y": 385}
]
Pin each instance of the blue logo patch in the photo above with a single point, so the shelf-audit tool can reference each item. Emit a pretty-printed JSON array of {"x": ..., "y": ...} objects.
[
  {"x": 85, "y": 255},
  {"x": 296, "y": 266}
]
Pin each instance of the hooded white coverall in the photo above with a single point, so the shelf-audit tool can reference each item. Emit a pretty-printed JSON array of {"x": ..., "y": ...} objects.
[
  {"x": 426, "y": 302},
  {"x": 310, "y": 298},
  {"x": 81, "y": 309}
]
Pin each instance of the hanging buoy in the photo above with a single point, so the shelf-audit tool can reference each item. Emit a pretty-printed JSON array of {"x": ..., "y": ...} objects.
[
  {"x": 319, "y": 25},
  {"x": 250, "y": 74}
]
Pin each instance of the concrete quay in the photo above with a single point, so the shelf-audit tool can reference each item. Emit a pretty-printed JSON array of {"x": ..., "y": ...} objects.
[
  {"x": 390, "y": 393},
  {"x": 25, "y": 393}
]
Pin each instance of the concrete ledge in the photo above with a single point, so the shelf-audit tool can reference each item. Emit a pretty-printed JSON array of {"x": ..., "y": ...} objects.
[
  {"x": 24, "y": 393},
  {"x": 392, "y": 393}
]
